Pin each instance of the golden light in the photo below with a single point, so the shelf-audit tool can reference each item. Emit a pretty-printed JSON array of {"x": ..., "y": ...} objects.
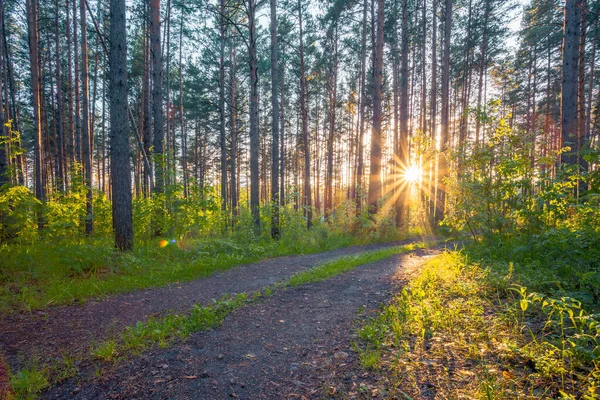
[{"x": 413, "y": 174}]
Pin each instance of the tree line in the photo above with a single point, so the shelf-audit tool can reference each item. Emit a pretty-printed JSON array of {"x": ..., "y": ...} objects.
[{"x": 322, "y": 106}]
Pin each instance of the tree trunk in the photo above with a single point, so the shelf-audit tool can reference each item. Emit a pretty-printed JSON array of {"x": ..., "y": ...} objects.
[
  {"x": 4, "y": 135},
  {"x": 433, "y": 107},
  {"x": 482, "y": 69},
  {"x": 77, "y": 130},
  {"x": 282, "y": 141},
  {"x": 119, "y": 129},
  {"x": 361, "y": 111},
  {"x": 304, "y": 117},
  {"x": 254, "y": 133},
  {"x": 59, "y": 115},
  {"x": 332, "y": 93},
  {"x": 85, "y": 129},
  {"x": 403, "y": 137},
  {"x": 375, "y": 186},
  {"x": 157, "y": 94},
  {"x": 445, "y": 114},
  {"x": 222, "y": 138},
  {"x": 40, "y": 182},
  {"x": 184, "y": 163},
  {"x": 568, "y": 106},
  {"x": 275, "y": 124},
  {"x": 581, "y": 93},
  {"x": 234, "y": 136}
]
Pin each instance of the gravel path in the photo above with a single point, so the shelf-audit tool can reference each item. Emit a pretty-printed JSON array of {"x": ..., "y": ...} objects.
[
  {"x": 290, "y": 346},
  {"x": 71, "y": 329}
]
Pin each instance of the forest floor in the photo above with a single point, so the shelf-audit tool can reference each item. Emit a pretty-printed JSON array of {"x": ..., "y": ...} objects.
[{"x": 291, "y": 344}]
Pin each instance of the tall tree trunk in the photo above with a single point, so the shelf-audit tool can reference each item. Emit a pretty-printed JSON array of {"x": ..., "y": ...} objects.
[
  {"x": 275, "y": 124},
  {"x": 71, "y": 123},
  {"x": 234, "y": 135},
  {"x": 5, "y": 177},
  {"x": 157, "y": 95},
  {"x": 591, "y": 84},
  {"x": 254, "y": 133},
  {"x": 332, "y": 93},
  {"x": 76, "y": 61},
  {"x": 361, "y": 110},
  {"x": 581, "y": 92},
  {"x": 433, "y": 107},
  {"x": 568, "y": 106},
  {"x": 282, "y": 140},
  {"x": 58, "y": 110},
  {"x": 147, "y": 107},
  {"x": 40, "y": 181},
  {"x": 169, "y": 136},
  {"x": 403, "y": 138},
  {"x": 184, "y": 163},
  {"x": 120, "y": 164},
  {"x": 464, "y": 112},
  {"x": 222, "y": 138},
  {"x": 445, "y": 114},
  {"x": 375, "y": 186},
  {"x": 304, "y": 116},
  {"x": 85, "y": 128},
  {"x": 482, "y": 68}
]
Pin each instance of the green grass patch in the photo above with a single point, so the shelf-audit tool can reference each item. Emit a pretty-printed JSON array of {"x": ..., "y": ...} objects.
[
  {"x": 39, "y": 275},
  {"x": 465, "y": 329},
  {"x": 341, "y": 265}
]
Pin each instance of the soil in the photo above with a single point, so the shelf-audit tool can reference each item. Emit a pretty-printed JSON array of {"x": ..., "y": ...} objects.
[
  {"x": 296, "y": 344},
  {"x": 71, "y": 329}
]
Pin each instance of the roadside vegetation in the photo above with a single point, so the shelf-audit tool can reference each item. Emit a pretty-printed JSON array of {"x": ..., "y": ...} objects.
[
  {"x": 61, "y": 265},
  {"x": 515, "y": 314}
]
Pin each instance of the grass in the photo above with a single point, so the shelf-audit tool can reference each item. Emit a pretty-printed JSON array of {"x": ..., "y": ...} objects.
[
  {"x": 464, "y": 328},
  {"x": 166, "y": 330},
  {"x": 36, "y": 276},
  {"x": 341, "y": 265}
]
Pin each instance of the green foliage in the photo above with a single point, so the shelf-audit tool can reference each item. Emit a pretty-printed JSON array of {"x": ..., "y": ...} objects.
[
  {"x": 478, "y": 318},
  {"x": 503, "y": 188},
  {"x": 18, "y": 220},
  {"x": 344, "y": 264}
]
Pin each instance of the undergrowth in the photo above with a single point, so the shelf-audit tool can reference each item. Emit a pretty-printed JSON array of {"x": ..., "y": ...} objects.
[
  {"x": 51, "y": 273},
  {"x": 468, "y": 328}
]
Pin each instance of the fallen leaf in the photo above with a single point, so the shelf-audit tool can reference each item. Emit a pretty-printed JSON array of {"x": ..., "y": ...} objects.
[{"x": 507, "y": 375}]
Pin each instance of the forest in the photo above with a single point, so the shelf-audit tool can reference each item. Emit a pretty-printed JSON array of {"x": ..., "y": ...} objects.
[{"x": 210, "y": 199}]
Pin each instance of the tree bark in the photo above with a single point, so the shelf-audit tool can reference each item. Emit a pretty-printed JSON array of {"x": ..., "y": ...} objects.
[
  {"x": 120, "y": 164},
  {"x": 59, "y": 114},
  {"x": 157, "y": 95},
  {"x": 568, "y": 106},
  {"x": 332, "y": 93},
  {"x": 222, "y": 138},
  {"x": 254, "y": 133},
  {"x": 304, "y": 116},
  {"x": 40, "y": 182},
  {"x": 445, "y": 114},
  {"x": 361, "y": 111},
  {"x": 375, "y": 185},
  {"x": 275, "y": 124},
  {"x": 403, "y": 156},
  {"x": 85, "y": 128}
]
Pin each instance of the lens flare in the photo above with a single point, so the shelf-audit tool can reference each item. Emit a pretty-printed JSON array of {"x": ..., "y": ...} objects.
[
  {"x": 413, "y": 174},
  {"x": 163, "y": 243}
]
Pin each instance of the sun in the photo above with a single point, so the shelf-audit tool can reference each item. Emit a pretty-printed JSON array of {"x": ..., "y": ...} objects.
[{"x": 413, "y": 174}]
